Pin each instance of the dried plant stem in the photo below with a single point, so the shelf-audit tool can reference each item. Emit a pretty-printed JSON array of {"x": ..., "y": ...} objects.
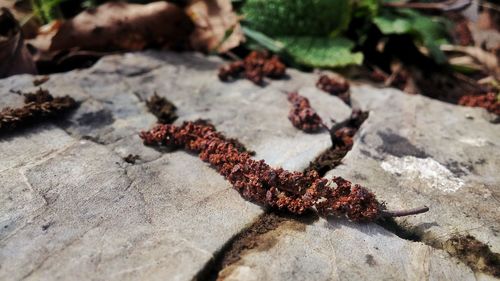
[{"x": 404, "y": 213}]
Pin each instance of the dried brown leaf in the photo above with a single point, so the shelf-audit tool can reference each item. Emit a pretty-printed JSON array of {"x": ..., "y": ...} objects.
[
  {"x": 14, "y": 56},
  {"x": 121, "y": 26},
  {"x": 488, "y": 60},
  {"x": 21, "y": 9},
  {"x": 214, "y": 20}
]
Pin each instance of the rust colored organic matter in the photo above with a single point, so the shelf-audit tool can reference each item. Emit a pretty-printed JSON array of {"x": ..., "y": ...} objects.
[
  {"x": 489, "y": 101},
  {"x": 39, "y": 105},
  {"x": 343, "y": 132},
  {"x": 341, "y": 135},
  {"x": 378, "y": 76},
  {"x": 254, "y": 67},
  {"x": 302, "y": 115},
  {"x": 162, "y": 108},
  {"x": 260, "y": 183},
  {"x": 461, "y": 32},
  {"x": 231, "y": 71},
  {"x": 335, "y": 86}
]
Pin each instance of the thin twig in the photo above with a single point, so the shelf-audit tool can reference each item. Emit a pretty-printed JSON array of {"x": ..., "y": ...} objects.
[
  {"x": 232, "y": 55},
  {"x": 404, "y": 213}
]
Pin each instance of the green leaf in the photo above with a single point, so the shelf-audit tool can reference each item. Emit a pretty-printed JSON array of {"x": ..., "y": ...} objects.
[
  {"x": 365, "y": 8},
  {"x": 47, "y": 10},
  {"x": 321, "y": 51},
  {"x": 297, "y": 17},
  {"x": 429, "y": 31},
  {"x": 392, "y": 24},
  {"x": 263, "y": 40}
]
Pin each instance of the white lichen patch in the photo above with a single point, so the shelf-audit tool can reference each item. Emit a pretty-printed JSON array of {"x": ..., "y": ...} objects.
[
  {"x": 477, "y": 142},
  {"x": 426, "y": 170}
]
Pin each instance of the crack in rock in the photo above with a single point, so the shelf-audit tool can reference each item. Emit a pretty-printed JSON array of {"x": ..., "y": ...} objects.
[{"x": 254, "y": 238}]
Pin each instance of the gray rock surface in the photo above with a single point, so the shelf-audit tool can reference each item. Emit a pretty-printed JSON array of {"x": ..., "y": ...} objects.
[
  {"x": 72, "y": 208},
  {"x": 415, "y": 151},
  {"x": 338, "y": 250}
]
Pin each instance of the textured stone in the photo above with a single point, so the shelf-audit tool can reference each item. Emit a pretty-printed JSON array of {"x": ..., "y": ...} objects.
[
  {"x": 338, "y": 250},
  {"x": 256, "y": 116},
  {"x": 72, "y": 208},
  {"x": 415, "y": 151}
]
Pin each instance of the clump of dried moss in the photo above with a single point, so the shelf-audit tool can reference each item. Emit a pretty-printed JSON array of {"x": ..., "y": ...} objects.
[
  {"x": 335, "y": 86},
  {"x": 488, "y": 101},
  {"x": 254, "y": 67},
  {"x": 302, "y": 115},
  {"x": 162, "y": 108},
  {"x": 38, "y": 106}
]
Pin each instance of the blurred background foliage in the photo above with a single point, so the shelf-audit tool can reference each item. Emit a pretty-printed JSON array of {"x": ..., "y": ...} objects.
[{"x": 310, "y": 33}]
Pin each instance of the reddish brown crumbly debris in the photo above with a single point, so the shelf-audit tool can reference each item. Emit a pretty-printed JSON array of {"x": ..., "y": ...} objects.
[
  {"x": 231, "y": 71},
  {"x": 302, "y": 115},
  {"x": 378, "y": 76},
  {"x": 254, "y": 67},
  {"x": 343, "y": 132},
  {"x": 489, "y": 101},
  {"x": 342, "y": 140},
  {"x": 260, "y": 183},
  {"x": 460, "y": 31},
  {"x": 334, "y": 86},
  {"x": 38, "y": 106}
]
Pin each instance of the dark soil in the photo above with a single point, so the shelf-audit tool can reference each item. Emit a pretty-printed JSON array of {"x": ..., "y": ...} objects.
[
  {"x": 391, "y": 225},
  {"x": 131, "y": 158},
  {"x": 248, "y": 239},
  {"x": 256, "y": 237},
  {"x": 474, "y": 253},
  {"x": 162, "y": 108}
]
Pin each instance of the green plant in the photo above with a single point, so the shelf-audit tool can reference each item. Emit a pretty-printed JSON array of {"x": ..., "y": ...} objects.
[
  {"x": 47, "y": 10},
  {"x": 428, "y": 31},
  {"x": 308, "y": 31},
  {"x": 326, "y": 33}
]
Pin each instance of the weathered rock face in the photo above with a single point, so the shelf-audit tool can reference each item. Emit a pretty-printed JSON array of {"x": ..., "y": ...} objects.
[
  {"x": 415, "y": 151},
  {"x": 72, "y": 208},
  {"x": 338, "y": 250}
]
